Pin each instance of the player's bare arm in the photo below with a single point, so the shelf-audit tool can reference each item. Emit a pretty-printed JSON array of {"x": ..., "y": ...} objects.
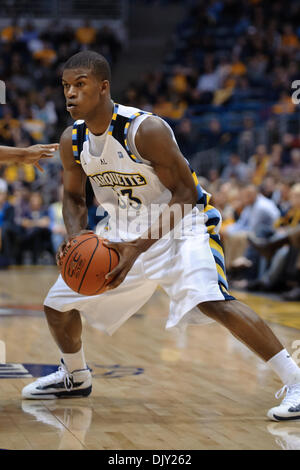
[
  {"x": 31, "y": 154},
  {"x": 154, "y": 142},
  {"x": 74, "y": 199}
]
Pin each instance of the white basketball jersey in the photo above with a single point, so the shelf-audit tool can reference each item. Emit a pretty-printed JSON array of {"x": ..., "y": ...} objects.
[{"x": 124, "y": 184}]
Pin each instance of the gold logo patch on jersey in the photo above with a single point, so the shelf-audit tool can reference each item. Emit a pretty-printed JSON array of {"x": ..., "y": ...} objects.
[{"x": 115, "y": 178}]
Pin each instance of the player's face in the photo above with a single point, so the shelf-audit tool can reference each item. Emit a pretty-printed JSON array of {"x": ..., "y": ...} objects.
[{"x": 83, "y": 92}]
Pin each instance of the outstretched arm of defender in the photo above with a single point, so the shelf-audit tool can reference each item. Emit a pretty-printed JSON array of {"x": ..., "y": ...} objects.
[{"x": 31, "y": 154}]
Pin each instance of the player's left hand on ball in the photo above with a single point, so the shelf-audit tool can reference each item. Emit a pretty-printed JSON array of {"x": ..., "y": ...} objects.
[{"x": 128, "y": 253}]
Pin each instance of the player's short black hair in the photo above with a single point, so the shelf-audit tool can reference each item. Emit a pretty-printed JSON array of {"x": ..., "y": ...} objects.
[{"x": 90, "y": 60}]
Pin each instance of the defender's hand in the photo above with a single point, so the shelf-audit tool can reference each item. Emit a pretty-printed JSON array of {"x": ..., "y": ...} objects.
[{"x": 34, "y": 153}]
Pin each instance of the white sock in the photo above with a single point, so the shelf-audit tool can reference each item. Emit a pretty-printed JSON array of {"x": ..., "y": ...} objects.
[
  {"x": 75, "y": 361},
  {"x": 285, "y": 367}
]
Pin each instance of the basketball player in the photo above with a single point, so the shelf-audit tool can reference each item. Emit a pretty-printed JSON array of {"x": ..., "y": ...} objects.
[
  {"x": 132, "y": 156},
  {"x": 31, "y": 154}
]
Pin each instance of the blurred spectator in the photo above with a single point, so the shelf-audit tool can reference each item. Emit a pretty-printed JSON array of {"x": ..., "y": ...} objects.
[
  {"x": 6, "y": 219},
  {"x": 209, "y": 80},
  {"x": 292, "y": 215},
  {"x": 24, "y": 172},
  {"x": 284, "y": 260},
  {"x": 287, "y": 145},
  {"x": 269, "y": 249},
  {"x": 276, "y": 159},
  {"x": 259, "y": 164},
  {"x": 292, "y": 170},
  {"x": 172, "y": 108},
  {"x": 257, "y": 67},
  {"x": 28, "y": 33},
  {"x": 273, "y": 134},
  {"x": 271, "y": 189},
  {"x": 36, "y": 235},
  {"x": 45, "y": 54},
  {"x": 248, "y": 138},
  {"x": 289, "y": 38},
  {"x": 109, "y": 44},
  {"x": 236, "y": 169},
  {"x": 284, "y": 105},
  {"x": 11, "y": 32},
  {"x": 215, "y": 136},
  {"x": 237, "y": 67},
  {"x": 44, "y": 110},
  {"x": 228, "y": 201},
  {"x": 223, "y": 94},
  {"x": 179, "y": 82},
  {"x": 223, "y": 69},
  {"x": 207, "y": 84},
  {"x": 13, "y": 231},
  {"x": 242, "y": 90},
  {"x": 20, "y": 200},
  {"x": 281, "y": 196},
  {"x": 8, "y": 125},
  {"x": 186, "y": 137},
  {"x": 34, "y": 126},
  {"x": 57, "y": 226},
  {"x": 258, "y": 215},
  {"x": 213, "y": 177},
  {"x": 86, "y": 34}
]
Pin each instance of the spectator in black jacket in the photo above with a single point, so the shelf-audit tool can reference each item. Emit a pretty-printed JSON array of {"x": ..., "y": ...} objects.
[
  {"x": 6, "y": 220},
  {"x": 36, "y": 236}
]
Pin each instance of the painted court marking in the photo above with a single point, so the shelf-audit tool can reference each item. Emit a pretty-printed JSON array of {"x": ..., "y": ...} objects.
[{"x": 24, "y": 371}]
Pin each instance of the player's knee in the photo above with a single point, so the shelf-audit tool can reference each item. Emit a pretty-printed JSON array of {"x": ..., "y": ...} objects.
[
  {"x": 220, "y": 310},
  {"x": 54, "y": 317}
]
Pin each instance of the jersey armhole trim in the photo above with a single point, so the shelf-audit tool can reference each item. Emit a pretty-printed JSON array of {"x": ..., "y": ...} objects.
[
  {"x": 132, "y": 117},
  {"x": 80, "y": 134}
]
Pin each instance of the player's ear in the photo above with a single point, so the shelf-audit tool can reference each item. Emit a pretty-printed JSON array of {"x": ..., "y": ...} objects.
[{"x": 104, "y": 86}]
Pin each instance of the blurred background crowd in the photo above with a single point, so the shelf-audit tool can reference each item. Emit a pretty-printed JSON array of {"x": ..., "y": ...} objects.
[{"x": 226, "y": 86}]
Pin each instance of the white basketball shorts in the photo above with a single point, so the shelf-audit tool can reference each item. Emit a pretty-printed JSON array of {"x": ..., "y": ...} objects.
[{"x": 190, "y": 270}]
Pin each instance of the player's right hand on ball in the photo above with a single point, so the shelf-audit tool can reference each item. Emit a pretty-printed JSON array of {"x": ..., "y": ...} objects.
[
  {"x": 62, "y": 251},
  {"x": 65, "y": 246}
]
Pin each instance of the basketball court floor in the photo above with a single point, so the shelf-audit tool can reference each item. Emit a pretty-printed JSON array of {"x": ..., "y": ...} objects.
[{"x": 153, "y": 388}]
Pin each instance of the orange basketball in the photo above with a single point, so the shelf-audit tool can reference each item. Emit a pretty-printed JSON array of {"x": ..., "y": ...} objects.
[{"x": 86, "y": 264}]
